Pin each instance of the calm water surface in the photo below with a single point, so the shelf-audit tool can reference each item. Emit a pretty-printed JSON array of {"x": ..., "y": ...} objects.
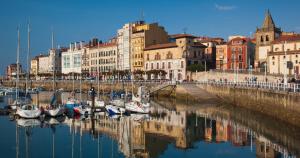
[{"x": 171, "y": 130}]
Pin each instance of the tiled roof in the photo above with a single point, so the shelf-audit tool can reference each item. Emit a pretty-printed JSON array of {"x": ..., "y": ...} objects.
[
  {"x": 161, "y": 46},
  {"x": 182, "y": 36},
  {"x": 287, "y": 38}
]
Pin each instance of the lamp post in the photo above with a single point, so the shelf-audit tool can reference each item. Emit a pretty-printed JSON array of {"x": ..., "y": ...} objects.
[
  {"x": 265, "y": 71},
  {"x": 285, "y": 67}
]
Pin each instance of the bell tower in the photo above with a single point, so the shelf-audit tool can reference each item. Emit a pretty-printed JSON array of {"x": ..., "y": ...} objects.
[{"x": 265, "y": 36}]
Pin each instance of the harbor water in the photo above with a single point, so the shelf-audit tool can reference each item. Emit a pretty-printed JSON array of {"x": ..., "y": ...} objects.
[{"x": 171, "y": 130}]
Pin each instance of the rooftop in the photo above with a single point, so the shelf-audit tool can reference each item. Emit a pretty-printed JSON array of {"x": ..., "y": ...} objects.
[
  {"x": 161, "y": 46},
  {"x": 288, "y": 38},
  {"x": 182, "y": 36}
]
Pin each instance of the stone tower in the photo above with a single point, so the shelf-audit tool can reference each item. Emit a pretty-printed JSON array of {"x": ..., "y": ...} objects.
[{"x": 265, "y": 36}]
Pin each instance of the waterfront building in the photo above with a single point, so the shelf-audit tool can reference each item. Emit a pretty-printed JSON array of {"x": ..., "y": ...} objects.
[
  {"x": 144, "y": 35},
  {"x": 221, "y": 56},
  {"x": 103, "y": 57},
  {"x": 124, "y": 47},
  {"x": 44, "y": 64},
  {"x": 284, "y": 55},
  {"x": 34, "y": 66},
  {"x": 11, "y": 71},
  {"x": 210, "y": 50},
  {"x": 174, "y": 57},
  {"x": 240, "y": 53},
  {"x": 71, "y": 58},
  {"x": 55, "y": 59},
  {"x": 264, "y": 36}
]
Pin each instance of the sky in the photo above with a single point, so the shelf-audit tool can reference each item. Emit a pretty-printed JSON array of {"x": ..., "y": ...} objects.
[{"x": 81, "y": 20}]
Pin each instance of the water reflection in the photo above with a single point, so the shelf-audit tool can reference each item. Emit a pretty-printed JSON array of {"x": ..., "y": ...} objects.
[{"x": 183, "y": 131}]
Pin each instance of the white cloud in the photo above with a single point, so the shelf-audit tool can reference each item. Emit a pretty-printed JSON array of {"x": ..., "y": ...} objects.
[{"x": 224, "y": 7}]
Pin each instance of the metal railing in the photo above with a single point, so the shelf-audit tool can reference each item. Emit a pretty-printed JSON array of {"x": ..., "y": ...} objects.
[{"x": 289, "y": 87}]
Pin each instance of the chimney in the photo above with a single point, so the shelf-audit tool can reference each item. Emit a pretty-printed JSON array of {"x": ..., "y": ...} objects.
[
  {"x": 75, "y": 45},
  {"x": 70, "y": 46}
]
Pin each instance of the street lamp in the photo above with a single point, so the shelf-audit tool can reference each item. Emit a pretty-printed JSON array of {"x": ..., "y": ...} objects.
[
  {"x": 285, "y": 66},
  {"x": 265, "y": 71}
]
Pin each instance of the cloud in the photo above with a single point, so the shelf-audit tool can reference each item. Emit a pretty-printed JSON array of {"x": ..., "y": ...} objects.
[{"x": 224, "y": 7}]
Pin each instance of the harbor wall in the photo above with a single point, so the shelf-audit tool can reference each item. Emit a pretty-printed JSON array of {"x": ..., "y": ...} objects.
[{"x": 283, "y": 106}]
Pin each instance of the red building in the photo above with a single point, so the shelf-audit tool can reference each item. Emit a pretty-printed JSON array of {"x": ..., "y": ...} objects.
[{"x": 240, "y": 53}]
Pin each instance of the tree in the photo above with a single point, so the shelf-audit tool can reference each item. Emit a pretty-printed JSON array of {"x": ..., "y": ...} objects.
[{"x": 195, "y": 67}]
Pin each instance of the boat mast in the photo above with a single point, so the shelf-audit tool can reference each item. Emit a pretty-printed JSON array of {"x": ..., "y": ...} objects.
[
  {"x": 28, "y": 53},
  {"x": 53, "y": 62},
  {"x": 18, "y": 54}
]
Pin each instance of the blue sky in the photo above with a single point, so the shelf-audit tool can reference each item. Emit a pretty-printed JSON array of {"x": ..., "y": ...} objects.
[{"x": 75, "y": 20}]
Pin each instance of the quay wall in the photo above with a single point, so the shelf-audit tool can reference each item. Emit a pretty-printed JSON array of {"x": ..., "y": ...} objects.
[{"x": 284, "y": 106}]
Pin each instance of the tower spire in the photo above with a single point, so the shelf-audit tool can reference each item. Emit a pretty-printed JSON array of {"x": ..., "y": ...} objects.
[{"x": 268, "y": 22}]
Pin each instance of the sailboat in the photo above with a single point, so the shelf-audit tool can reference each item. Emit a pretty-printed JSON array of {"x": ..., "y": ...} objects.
[
  {"x": 54, "y": 109},
  {"x": 82, "y": 109},
  {"x": 139, "y": 103},
  {"x": 72, "y": 102},
  {"x": 99, "y": 103},
  {"x": 26, "y": 110}
]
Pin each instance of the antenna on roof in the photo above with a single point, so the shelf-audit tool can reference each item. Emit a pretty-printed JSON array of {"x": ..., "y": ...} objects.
[
  {"x": 52, "y": 38},
  {"x": 142, "y": 16},
  {"x": 184, "y": 30}
]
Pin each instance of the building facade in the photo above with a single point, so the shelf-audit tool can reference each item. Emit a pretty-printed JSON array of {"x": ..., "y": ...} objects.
[
  {"x": 240, "y": 53},
  {"x": 283, "y": 50},
  {"x": 103, "y": 57},
  {"x": 71, "y": 58},
  {"x": 143, "y": 36},
  {"x": 11, "y": 71},
  {"x": 173, "y": 58},
  {"x": 34, "y": 66},
  {"x": 221, "y": 56},
  {"x": 124, "y": 47},
  {"x": 44, "y": 64}
]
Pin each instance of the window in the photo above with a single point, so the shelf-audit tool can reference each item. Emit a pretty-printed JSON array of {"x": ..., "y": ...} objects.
[
  {"x": 147, "y": 56},
  {"x": 296, "y": 61},
  {"x": 157, "y": 65},
  {"x": 284, "y": 57},
  {"x": 163, "y": 65},
  {"x": 273, "y": 63},
  {"x": 267, "y": 38},
  {"x": 67, "y": 61},
  {"x": 261, "y": 39},
  {"x": 77, "y": 60},
  {"x": 169, "y": 55},
  {"x": 169, "y": 65},
  {"x": 151, "y": 65},
  {"x": 147, "y": 66},
  {"x": 195, "y": 54},
  {"x": 273, "y": 58},
  {"x": 182, "y": 64}
]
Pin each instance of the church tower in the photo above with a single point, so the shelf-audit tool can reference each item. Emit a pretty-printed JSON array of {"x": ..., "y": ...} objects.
[{"x": 265, "y": 36}]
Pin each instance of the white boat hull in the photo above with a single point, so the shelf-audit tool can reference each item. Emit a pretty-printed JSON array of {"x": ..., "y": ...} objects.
[
  {"x": 55, "y": 112},
  {"x": 137, "y": 108},
  {"x": 28, "y": 111},
  {"x": 114, "y": 110}
]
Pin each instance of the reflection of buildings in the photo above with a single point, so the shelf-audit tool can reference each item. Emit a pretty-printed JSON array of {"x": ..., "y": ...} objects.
[{"x": 152, "y": 136}]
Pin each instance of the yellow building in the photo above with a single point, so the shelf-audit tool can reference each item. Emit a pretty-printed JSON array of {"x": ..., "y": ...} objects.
[
  {"x": 173, "y": 58},
  {"x": 221, "y": 57},
  {"x": 144, "y": 35},
  {"x": 34, "y": 66}
]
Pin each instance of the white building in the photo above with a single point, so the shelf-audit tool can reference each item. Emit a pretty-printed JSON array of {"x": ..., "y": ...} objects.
[
  {"x": 284, "y": 49},
  {"x": 123, "y": 45},
  {"x": 44, "y": 64},
  {"x": 71, "y": 59}
]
